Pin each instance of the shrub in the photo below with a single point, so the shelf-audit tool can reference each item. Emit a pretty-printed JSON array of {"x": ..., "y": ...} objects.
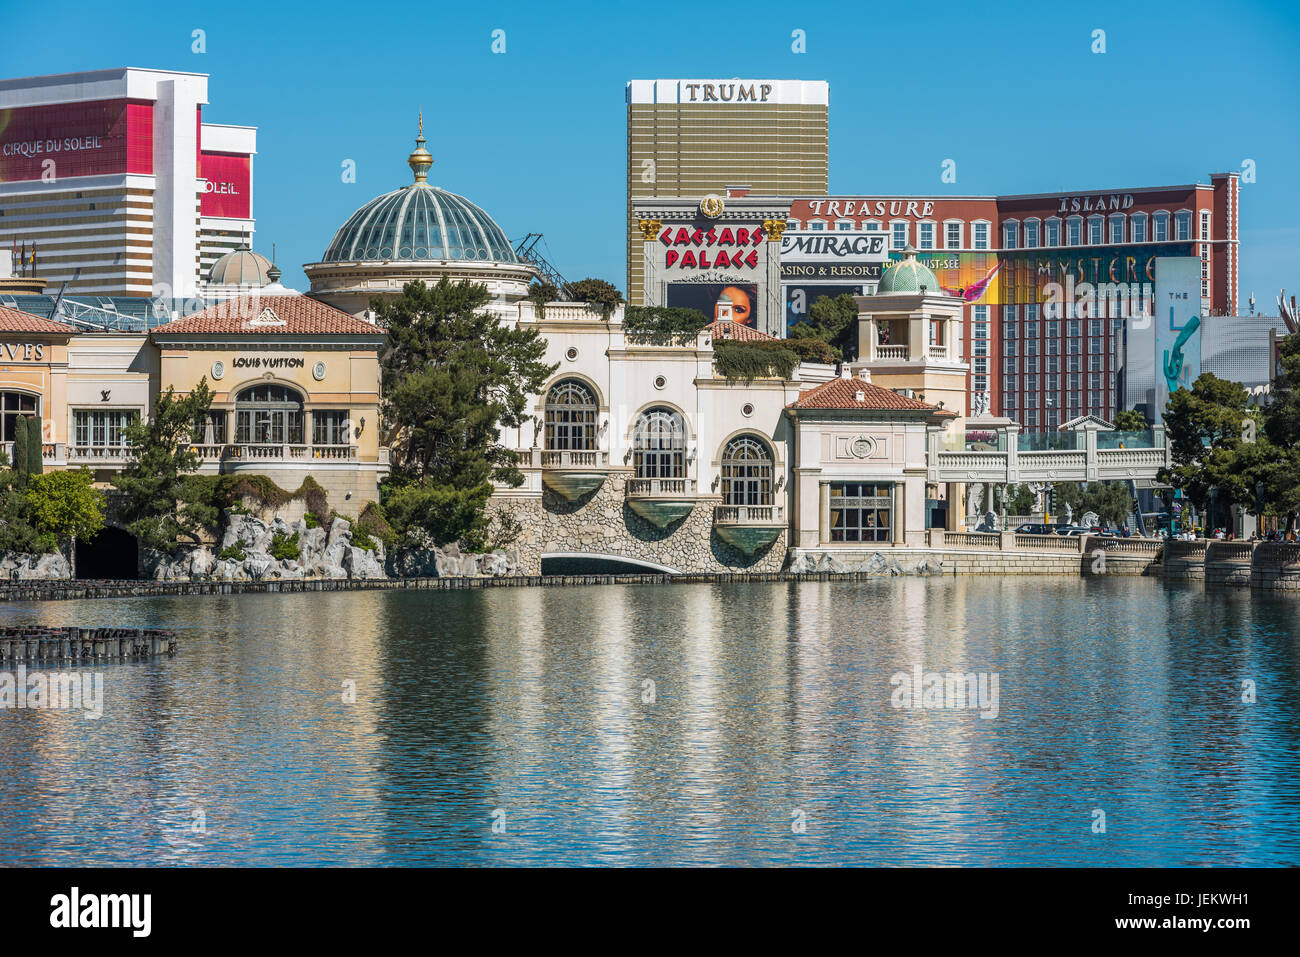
[
  {"x": 445, "y": 513},
  {"x": 311, "y": 520},
  {"x": 232, "y": 553},
  {"x": 750, "y": 360},
  {"x": 601, "y": 294},
  {"x": 662, "y": 325},
  {"x": 361, "y": 539},
  {"x": 284, "y": 547},
  {"x": 373, "y": 522}
]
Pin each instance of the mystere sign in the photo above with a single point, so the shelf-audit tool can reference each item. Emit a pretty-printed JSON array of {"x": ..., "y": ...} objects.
[{"x": 838, "y": 255}]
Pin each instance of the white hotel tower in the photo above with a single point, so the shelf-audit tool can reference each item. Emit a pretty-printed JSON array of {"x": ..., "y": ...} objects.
[{"x": 117, "y": 182}]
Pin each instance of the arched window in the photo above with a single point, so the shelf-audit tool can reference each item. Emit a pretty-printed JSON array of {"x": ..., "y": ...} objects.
[
  {"x": 659, "y": 444},
  {"x": 12, "y": 405},
  {"x": 268, "y": 414},
  {"x": 746, "y": 472},
  {"x": 570, "y": 417}
]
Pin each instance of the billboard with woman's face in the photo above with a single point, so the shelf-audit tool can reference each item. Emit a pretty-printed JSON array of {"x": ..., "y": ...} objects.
[{"x": 715, "y": 299}]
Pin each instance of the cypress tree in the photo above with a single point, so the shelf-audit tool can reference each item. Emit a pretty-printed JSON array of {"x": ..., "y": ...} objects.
[
  {"x": 35, "y": 448},
  {"x": 22, "y": 458}
]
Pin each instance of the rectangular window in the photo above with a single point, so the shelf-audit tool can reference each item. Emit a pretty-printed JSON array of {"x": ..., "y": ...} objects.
[
  {"x": 1094, "y": 231},
  {"x": 1031, "y": 328},
  {"x": 860, "y": 512},
  {"x": 1074, "y": 328},
  {"x": 1031, "y": 400},
  {"x": 1009, "y": 400},
  {"x": 328, "y": 427},
  {"x": 1075, "y": 231},
  {"x": 980, "y": 235},
  {"x": 1053, "y": 364},
  {"x": 1031, "y": 365},
  {"x": 980, "y": 365},
  {"x": 1009, "y": 348},
  {"x": 1117, "y": 229},
  {"x": 953, "y": 238},
  {"x": 1010, "y": 235},
  {"x": 1008, "y": 383},
  {"x": 925, "y": 235},
  {"x": 980, "y": 347},
  {"x": 101, "y": 428},
  {"x": 1140, "y": 229},
  {"x": 1205, "y": 225},
  {"x": 1160, "y": 228},
  {"x": 1031, "y": 234},
  {"x": 1183, "y": 226},
  {"x": 1053, "y": 232},
  {"x": 900, "y": 236},
  {"x": 1031, "y": 312}
]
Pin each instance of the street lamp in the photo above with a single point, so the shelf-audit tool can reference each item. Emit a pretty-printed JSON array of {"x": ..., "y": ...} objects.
[{"x": 1259, "y": 509}]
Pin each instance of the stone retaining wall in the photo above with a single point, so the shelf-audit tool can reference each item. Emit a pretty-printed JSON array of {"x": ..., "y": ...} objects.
[
  {"x": 1276, "y": 566},
  {"x": 602, "y": 524}
]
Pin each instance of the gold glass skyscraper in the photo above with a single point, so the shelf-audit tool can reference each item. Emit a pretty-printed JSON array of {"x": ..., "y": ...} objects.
[{"x": 694, "y": 137}]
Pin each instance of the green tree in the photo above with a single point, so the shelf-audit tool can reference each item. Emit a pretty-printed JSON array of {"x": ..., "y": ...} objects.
[
  {"x": 1020, "y": 500},
  {"x": 1206, "y": 425},
  {"x": 35, "y": 448},
  {"x": 66, "y": 506},
  {"x": 17, "y": 533},
  {"x": 1275, "y": 462},
  {"x": 1112, "y": 501},
  {"x": 22, "y": 456},
  {"x": 154, "y": 482},
  {"x": 598, "y": 292},
  {"x": 454, "y": 375},
  {"x": 446, "y": 514},
  {"x": 1131, "y": 420},
  {"x": 540, "y": 293},
  {"x": 833, "y": 320}
]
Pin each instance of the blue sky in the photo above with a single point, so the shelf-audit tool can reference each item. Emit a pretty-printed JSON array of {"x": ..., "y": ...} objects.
[{"x": 536, "y": 135}]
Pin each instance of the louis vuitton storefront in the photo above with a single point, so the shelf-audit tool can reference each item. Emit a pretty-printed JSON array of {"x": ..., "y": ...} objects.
[{"x": 295, "y": 391}]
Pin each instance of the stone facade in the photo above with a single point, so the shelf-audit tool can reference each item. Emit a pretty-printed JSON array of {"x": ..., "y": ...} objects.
[
  {"x": 602, "y": 525},
  {"x": 19, "y": 567}
]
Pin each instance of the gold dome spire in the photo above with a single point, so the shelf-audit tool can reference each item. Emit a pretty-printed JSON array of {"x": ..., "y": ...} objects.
[{"x": 420, "y": 159}]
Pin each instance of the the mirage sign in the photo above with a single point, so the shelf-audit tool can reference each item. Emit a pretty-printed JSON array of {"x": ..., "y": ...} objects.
[{"x": 846, "y": 255}]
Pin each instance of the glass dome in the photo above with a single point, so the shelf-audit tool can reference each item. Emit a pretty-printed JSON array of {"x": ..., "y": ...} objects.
[{"x": 416, "y": 223}]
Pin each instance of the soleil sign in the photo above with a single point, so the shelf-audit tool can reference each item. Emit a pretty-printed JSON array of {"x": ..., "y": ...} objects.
[{"x": 713, "y": 248}]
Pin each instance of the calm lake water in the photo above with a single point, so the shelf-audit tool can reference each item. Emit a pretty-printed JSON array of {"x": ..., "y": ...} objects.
[{"x": 767, "y": 737}]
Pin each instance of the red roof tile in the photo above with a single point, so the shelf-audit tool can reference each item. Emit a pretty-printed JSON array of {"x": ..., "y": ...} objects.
[
  {"x": 840, "y": 393},
  {"x": 270, "y": 316},
  {"x": 15, "y": 320},
  {"x": 738, "y": 331}
]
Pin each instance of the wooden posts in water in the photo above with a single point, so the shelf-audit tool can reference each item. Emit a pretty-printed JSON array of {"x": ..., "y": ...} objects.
[{"x": 38, "y": 643}]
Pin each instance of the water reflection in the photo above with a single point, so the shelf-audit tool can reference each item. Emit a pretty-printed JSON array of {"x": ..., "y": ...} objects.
[{"x": 679, "y": 724}]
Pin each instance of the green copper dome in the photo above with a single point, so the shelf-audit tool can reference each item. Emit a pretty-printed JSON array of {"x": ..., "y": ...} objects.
[{"x": 908, "y": 275}]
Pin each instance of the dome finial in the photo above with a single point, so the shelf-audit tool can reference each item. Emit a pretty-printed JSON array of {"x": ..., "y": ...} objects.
[{"x": 420, "y": 159}]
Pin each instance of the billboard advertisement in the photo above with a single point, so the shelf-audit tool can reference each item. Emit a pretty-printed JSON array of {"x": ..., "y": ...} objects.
[
  {"x": 1026, "y": 274},
  {"x": 1177, "y": 326},
  {"x": 76, "y": 139},
  {"x": 227, "y": 185},
  {"x": 968, "y": 276},
  {"x": 842, "y": 256},
  {"x": 800, "y": 297},
  {"x": 714, "y": 299}
]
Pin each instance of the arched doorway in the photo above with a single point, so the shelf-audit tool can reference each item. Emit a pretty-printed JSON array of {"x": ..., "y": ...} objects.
[
  {"x": 113, "y": 553},
  {"x": 659, "y": 445},
  {"x": 268, "y": 414},
  {"x": 746, "y": 472},
  {"x": 570, "y": 417}
]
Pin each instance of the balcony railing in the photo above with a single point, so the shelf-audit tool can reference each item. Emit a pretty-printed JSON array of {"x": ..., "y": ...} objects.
[
  {"x": 891, "y": 352},
  {"x": 660, "y": 488},
  {"x": 938, "y": 352},
  {"x": 748, "y": 515},
  {"x": 93, "y": 455},
  {"x": 569, "y": 459}
]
